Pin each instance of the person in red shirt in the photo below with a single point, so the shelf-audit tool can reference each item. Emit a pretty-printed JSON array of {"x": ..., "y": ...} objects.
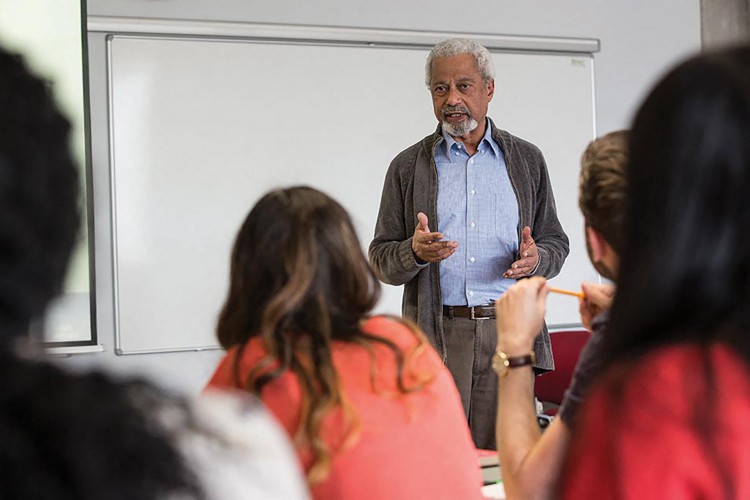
[
  {"x": 670, "y": 417},
  {"x": 373, "y": 411}
]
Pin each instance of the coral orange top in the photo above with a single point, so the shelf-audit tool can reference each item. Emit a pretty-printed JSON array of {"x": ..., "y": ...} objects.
[{"x": 407, "y": 446}]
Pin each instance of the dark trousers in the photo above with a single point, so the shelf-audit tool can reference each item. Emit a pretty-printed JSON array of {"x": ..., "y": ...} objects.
[{"x": 470, "y": 345}]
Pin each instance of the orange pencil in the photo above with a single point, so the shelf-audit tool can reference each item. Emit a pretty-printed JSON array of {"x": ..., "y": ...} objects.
[{"x": 567, "y": 292}]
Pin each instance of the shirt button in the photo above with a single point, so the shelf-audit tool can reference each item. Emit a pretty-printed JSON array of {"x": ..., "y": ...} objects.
[
  {"x": 472, "y": 259},
  {"x": 473, "y": 225},
  {"x": 471, "y": 294},
  {"x": 473, "y": 192}
]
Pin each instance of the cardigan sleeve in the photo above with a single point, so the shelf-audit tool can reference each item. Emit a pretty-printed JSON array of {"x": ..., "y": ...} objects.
[
  {"x": 390, "y": 251},
  {"x": 551, "y": 241}
]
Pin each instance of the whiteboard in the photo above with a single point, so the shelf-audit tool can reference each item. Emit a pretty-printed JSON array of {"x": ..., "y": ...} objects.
[{"x": 200, "y": 128}]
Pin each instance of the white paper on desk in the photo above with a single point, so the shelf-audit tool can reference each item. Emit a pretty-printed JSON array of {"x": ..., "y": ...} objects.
[{"x": 494, "y": 491}]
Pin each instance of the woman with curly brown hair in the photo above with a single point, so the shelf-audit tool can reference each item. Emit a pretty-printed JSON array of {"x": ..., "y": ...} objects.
[{"x": 370, "y": 406}]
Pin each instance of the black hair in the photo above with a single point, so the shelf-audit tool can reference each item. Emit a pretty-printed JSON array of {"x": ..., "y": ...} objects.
[
  {"x": 39, "y": 197},
  {"x": 85, "y": 437},
  {"x": 62, "y": 436},
  {"x": 685, "y": 269}
]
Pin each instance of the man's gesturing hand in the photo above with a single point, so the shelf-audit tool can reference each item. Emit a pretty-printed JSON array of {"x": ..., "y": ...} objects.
[
  {"x": 529, "y": 257},
  {"x": 427, "y": 246}
]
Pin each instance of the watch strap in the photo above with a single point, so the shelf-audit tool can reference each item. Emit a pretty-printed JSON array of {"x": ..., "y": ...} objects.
[{"x": 502, "y": 363}]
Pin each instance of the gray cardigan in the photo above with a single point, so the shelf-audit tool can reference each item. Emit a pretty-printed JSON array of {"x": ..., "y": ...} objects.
[{"x": 411, "y": 186}]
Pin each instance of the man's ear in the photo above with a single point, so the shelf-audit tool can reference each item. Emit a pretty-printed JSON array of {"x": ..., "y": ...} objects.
[
  {"x": 599, "y": 246},
  {"x": 603, "y": 256},
  {"x": 490, "y": 90}
]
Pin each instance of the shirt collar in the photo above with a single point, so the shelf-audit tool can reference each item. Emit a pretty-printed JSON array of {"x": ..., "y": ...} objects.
[{"x": 449, "y": 141}]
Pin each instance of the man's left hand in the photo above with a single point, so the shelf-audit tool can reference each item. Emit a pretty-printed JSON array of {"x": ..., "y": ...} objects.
[{"x": 529, "y": 257}]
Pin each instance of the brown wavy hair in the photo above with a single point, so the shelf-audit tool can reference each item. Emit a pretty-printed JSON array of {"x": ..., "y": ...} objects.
[{"x": 300, "y": 281}]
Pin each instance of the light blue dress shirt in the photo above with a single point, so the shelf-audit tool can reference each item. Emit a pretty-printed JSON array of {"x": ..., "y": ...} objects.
[{"x": 477, "y": 207}]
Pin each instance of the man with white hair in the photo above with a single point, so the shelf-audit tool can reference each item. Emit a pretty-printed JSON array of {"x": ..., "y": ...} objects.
[{"x": 488, "y": 196}]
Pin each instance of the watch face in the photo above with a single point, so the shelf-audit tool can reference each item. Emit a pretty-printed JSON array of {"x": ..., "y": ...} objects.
[{"x": 500, "y": 363}]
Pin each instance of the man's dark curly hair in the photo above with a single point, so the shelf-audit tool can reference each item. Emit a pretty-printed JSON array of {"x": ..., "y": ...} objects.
[{"x": 39, "y": 197}]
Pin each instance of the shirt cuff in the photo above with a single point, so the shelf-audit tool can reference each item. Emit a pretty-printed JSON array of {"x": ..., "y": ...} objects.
[
  {"x": 420, "y": 265},
  {"x": 539, "y": 261}
]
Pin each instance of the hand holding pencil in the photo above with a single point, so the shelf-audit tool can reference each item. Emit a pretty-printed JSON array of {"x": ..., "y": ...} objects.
[
  {"x": 596, "y": 298},
  {"x": 592, "y": 300},
  {"x": 521, "y": 309}
]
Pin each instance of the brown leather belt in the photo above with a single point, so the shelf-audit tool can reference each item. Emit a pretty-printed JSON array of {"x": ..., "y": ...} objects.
[{"x": 476, "y": 312}]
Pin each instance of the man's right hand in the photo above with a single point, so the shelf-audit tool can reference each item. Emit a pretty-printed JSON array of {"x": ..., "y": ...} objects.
[
  {"x": 427, "y": 246},
  {"x": 597, "y": 297}
]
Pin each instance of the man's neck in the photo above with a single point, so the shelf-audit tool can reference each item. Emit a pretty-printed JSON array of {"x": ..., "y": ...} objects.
[{"x": 472, "y": 139}]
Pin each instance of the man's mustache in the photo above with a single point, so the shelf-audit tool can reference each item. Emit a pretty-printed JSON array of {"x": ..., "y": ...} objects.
[{"x": 456, "y": 109}]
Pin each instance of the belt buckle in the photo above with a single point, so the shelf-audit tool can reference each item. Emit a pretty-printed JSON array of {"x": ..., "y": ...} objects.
[{"x": 474, "y": 317}]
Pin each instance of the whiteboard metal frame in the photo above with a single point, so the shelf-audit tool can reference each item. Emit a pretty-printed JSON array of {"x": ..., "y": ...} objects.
[
  {"x": 66, "y": 351},
  {"x": 330, "y": 34},
  {"x": 127, "y": 27}
]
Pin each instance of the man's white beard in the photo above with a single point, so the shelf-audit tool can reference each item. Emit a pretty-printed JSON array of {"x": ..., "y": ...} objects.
[{"x": 461, "y": 129}]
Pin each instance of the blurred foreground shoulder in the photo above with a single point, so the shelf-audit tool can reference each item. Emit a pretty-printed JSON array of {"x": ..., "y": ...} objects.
[{"x": 238, "y": 451}]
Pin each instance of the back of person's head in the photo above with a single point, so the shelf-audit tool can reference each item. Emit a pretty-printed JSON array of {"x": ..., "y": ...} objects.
[
  {"x": 39, "y": 196},
  {"x": 459, "y": 46},
  {"x": 602, "y": 186},
  {"x": 85, "y": 437},
  {"x": 299, "y": 281},
  {"x": 685, "y": 268},
  {"x": 297, "y": 266}
]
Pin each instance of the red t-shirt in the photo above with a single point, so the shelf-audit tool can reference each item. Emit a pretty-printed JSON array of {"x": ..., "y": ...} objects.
[
  {"x": 408, "y": 446},
  {"x": 680, "y": 429}
]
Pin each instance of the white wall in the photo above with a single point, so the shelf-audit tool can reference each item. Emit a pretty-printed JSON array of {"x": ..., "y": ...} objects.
[{"x": 639, "y": 39}]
